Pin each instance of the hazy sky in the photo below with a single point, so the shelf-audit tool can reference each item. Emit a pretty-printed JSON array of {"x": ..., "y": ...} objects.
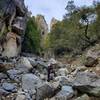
[{"x": 52, "y": 8}]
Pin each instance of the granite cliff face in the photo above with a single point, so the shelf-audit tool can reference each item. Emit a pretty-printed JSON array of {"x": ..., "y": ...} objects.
[
  {"x": 42, "y": 24},
  {"x": 13, "y": 18},
  {"x": 43, "y": 27}
]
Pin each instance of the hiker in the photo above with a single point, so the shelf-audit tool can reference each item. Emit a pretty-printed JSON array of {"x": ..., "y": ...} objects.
[{"x": 50, "y": 70}]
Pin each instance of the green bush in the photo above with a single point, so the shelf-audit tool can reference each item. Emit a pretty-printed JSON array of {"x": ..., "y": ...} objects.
[{"x": 31, "y": 42}]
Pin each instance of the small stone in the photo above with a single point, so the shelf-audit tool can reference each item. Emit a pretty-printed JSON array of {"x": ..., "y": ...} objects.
[
  {"x": 63, "y": 80},
  {"x": 3, "y": 76},
  {"x": 9, "y": 87},
  {"x": 21, "y": 97},
  {"x": 43, "y": 77},
  {"x": 65, "y": 94},
  {"x": 3, "y": 92},
  {"x": 5, "y": 66},
  {"x": 83, "y": 97},
  {"x": 63, "y": 71},
  {"x": 33, "y": 62},
  {"x": 91, "y": 62},
  {"x": 26, "y": 63},
  {"x": 14, "y": 74}
]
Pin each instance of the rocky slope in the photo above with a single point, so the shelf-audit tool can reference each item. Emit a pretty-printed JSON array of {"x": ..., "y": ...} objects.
[{"x": 25, "y": 78}]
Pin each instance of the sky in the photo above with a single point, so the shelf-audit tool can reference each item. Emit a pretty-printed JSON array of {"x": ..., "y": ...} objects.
[{"x": 52, "y": 8}]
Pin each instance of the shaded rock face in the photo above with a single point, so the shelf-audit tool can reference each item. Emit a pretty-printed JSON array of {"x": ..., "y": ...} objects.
[
  {"x": 20, "y": 7},
  {"x": 10, "y": 9},
  {"x": 13, "y": 18},
  {"x": 42, "y": 25},
  {"x": 19, "y": 25}
]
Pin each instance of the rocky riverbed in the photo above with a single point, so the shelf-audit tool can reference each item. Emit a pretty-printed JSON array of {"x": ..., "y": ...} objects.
[{"x": 25, "y": 78}]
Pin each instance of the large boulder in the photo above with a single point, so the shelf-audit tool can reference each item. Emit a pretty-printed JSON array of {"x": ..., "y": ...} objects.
[
  {"x": 30, "y": 83},
  {"x": 91, "y": 59},
  {"x": 87, "y": 82},
  {"x": 24, "y": 65},
  {"x": 47, "y": 90},
  {"x": 11, "y": 47}
]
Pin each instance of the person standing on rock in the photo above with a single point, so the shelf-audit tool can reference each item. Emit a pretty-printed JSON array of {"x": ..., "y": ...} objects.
[{"x": 50, "y": 70}]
